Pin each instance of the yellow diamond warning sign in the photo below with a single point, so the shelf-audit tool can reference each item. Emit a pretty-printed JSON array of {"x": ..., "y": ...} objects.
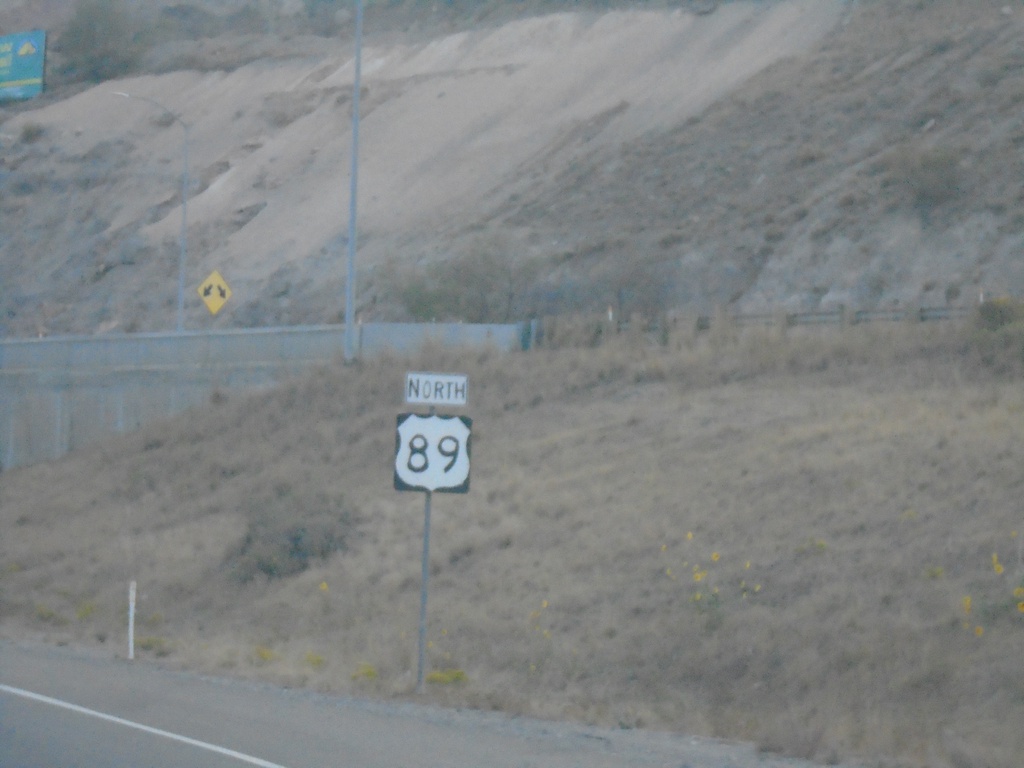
[{"x": 214, "y": 292}]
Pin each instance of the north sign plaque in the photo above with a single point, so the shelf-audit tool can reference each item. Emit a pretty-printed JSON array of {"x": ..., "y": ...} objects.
[{"x": 436, "y": 388}]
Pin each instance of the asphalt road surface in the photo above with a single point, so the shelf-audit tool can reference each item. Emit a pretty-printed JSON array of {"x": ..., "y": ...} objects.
[{"x": 61, "y": 708}]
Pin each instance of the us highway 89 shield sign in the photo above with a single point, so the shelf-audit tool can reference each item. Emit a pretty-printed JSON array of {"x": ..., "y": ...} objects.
[{"x": 432, "y": 453}]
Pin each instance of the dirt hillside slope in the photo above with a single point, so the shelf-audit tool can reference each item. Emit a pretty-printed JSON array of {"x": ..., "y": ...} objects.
[
  {"x": 883, "y": 170},
  {"x": 446, "y": 123},
  {"x": 770, "y": 154}
]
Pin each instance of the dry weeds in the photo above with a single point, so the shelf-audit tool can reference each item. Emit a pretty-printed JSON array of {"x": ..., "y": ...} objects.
[{"x": 739, "y": 533}]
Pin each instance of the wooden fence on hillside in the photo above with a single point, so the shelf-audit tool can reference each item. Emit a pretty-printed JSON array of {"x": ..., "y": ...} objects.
[
  {"x": 843, "y": 316},
  {"x": 562, "y": 330}
]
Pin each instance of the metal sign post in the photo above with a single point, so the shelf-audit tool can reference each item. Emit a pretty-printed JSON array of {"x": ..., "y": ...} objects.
[
  {"x": 424, "y": 580},
  {"x": 350, "y": 274},
  {"x": 431, "y": 454}
]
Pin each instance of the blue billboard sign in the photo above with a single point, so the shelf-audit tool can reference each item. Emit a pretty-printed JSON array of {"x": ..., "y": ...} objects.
[{"x": 22, "y": 63}]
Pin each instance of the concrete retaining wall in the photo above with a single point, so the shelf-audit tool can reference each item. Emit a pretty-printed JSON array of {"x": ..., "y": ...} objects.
[{"x": 59, "y": 394}]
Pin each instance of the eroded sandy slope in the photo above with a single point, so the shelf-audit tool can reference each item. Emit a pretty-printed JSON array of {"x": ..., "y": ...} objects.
[{"x": 450, "y": 128}]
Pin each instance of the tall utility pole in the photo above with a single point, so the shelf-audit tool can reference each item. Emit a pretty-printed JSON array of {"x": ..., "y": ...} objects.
[
  {"x": 183, "y": 236},
  {"x": 350, "y": 280}
]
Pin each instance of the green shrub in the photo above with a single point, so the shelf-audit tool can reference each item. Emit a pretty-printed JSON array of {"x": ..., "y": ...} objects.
[
  {"x": 100, "y": 41},
  {"x": 365, "y": 672},
  {"x": 315, "y": 660},
  {"x": 486, "y": 285},
  {"x": 446, "y": 676},
  {"x": 31, "y": 133},
  {"x": 998, "y": 335},
  {"x": 154, "y": 644},
  {"x": 263, "y": 655},
  {"x": 932, "y": 175},
  {"x": 322, "y": 15},
  {"x": 997, "y": 313},
  {"x": 423, "y": 300},
  {"x": 286, "y": 532},
  {"x": 46, "y": 614}
]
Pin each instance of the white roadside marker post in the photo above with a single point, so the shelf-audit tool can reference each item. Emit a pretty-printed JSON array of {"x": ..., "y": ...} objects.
[{"x": 131, "y": 621}]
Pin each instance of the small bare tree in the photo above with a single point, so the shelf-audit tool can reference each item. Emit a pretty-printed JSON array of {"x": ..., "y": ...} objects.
[{"x": 485, "y": 284}]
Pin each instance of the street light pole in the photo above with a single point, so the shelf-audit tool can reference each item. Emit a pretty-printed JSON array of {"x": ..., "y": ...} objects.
[
  {"x": 350, "y": 280},
  {"x": 183, "y": 236}
]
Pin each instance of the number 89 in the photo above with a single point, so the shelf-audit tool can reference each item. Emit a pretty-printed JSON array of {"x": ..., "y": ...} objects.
[{"x": 448, "y": 446}]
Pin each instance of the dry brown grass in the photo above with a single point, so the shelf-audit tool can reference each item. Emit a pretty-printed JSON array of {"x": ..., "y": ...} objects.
[{"x": 740, "y": 533}]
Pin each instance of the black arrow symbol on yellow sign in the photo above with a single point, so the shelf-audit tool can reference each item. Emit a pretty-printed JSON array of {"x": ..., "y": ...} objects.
[{"x": 214, "y": 292}]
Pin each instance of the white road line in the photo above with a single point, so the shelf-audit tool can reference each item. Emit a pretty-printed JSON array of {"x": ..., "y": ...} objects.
[{"x": 138, "y": 726}]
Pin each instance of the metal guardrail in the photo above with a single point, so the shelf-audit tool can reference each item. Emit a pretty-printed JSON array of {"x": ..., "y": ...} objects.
[{"x": 61, "y": 393}]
